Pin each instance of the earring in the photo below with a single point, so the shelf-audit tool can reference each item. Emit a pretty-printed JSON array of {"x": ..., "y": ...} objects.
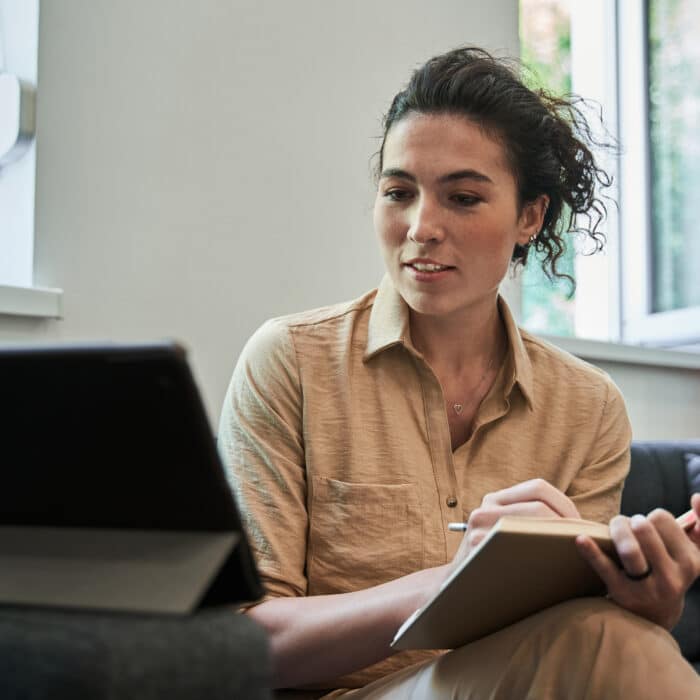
[{"x": 532, "y": 239}]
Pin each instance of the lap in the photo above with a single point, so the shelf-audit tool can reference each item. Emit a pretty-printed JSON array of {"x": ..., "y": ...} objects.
[{"x": 586, "y": 648}]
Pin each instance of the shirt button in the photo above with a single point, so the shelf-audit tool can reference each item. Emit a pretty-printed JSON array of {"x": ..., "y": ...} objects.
[{"x": 451, "y": 502}]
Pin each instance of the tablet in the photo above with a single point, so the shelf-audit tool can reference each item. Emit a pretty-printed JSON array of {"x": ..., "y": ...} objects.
[{"x": 107, "y": 447}]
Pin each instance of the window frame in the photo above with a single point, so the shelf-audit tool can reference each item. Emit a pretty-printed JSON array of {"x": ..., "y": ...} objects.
[
  {"x": 640, "y": 324},
  {"x": 19, "y": 294},
  {"x": 593, "y": 51}
]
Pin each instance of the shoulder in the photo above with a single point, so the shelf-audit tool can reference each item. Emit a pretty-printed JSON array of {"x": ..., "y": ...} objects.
[
  {"x": 277, "y": 339},
  {"x": 327, "y": 319},
  {"x": 332, "y": 322},
  {"x": 573, "y": 398}
]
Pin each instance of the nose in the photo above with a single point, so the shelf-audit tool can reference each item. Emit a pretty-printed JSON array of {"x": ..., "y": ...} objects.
[{"x": 425, "y": 224}]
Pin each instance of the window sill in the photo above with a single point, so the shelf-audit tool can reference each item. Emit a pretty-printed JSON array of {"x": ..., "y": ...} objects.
[
  {"x": 595, "y": 351},
  {"x": 33, "y": 302}
]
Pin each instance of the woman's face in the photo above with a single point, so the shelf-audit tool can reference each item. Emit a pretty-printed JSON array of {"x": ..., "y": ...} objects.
[{"x": 447, "y": 213}]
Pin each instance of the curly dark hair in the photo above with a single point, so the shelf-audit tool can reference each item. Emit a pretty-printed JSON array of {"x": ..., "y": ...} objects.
[{"x": 547, "y": 140}]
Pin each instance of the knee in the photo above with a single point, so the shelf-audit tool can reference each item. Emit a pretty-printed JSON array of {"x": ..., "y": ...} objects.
[
  {"x": 599, "y": 618},
  {"x": 578, "y": 649},
  {"x": 595, "y": 640},
  {"x": 597, "y": 633}
]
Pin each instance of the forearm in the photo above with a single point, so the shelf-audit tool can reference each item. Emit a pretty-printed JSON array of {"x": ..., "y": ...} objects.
[{"x": 319, "y": 638}]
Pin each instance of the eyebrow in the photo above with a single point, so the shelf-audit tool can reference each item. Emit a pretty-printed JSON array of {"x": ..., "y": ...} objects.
[{"x": 468, "y": 174}]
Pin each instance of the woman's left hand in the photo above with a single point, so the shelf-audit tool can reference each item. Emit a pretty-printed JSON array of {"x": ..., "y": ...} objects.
[{"x": 659, "y": 561}]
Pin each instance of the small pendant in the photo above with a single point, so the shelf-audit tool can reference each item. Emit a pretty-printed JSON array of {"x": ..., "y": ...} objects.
[{"x": 457, "y": 407}]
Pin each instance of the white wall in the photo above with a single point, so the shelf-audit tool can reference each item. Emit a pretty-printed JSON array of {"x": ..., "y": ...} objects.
[
  {"x": 663, "y": 402},
  {"x": 202, "y": 166}
]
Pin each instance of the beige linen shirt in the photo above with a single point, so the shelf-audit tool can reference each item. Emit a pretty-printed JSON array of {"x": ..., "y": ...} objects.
[{"x": 338, "y": 448}]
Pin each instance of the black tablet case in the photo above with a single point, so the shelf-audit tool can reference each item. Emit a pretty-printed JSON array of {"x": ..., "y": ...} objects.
[{"x": 113, "y": 494}]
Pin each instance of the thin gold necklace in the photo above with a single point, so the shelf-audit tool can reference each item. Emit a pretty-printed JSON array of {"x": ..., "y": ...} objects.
[{"x": 459, "y": 407}]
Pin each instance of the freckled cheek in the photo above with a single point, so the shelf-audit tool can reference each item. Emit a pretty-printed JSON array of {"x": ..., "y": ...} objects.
[{"x": 492, "y": 243}]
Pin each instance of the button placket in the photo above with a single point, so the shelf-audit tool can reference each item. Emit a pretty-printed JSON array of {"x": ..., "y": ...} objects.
[{"x": 440, "y": 446}]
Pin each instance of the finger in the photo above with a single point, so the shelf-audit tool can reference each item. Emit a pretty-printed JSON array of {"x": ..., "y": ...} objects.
[
  {"x": 674, "y": 538},
  {"x": 666, "y": 548},
  {"x": 487, "y": 516},
  {"x": 482, "y": 520},
  {"x": 643, "y": 597},
  {"x": 632, "y": 557},
  {"x": 683, "y": 551},
  {"x": 664, "y": 543},
  {"x": 694, "y": 533},
  {"x": 535, "y": 490},
  {"x": 601, "y": 563}
]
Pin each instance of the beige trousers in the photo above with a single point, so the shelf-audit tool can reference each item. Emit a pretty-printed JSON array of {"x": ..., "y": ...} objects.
[{"x": 586, "y": 649}]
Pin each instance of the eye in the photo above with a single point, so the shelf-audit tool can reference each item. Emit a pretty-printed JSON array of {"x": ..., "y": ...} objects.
[
  {"x": 465, "y": 200},
  {"x": 397, "y": 194}
]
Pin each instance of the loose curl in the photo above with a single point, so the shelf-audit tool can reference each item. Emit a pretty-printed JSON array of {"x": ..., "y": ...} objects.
[{"x": 546, "y": 138}]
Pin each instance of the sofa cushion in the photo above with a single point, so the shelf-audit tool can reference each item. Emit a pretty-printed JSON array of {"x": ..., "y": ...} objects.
[
  {"x": 693, "y": 469},
  {"x": 664, "y": 474},
  {"x": 658, "y": 477}
]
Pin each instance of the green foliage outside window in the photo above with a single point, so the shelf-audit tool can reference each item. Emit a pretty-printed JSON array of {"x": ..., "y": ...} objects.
[
  {"x": 674, "y": 116},
  {"x": 545, "y": 40}
]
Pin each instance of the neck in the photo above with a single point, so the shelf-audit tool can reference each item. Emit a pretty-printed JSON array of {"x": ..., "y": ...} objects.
[{"x": 455, "y": 345}]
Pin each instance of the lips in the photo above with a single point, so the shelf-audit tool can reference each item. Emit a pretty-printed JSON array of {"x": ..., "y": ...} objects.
[
  {"x": 426, "y": 265},
  {"x": 425, "y": 271}
]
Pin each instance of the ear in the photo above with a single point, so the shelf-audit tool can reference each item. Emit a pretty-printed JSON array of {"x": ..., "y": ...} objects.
[{"x": 531, "y": 218}]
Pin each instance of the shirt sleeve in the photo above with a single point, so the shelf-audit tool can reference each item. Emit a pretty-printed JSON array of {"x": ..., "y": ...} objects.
[
  {"x": 597, "y": 488},
  {"x": 261, "y": 442}
]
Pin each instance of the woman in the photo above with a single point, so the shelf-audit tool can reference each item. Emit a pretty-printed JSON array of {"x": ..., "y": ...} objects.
[{"x": 355, "y": 433}]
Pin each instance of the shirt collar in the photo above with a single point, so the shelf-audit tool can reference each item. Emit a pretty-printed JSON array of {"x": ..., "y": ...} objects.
[
  {"x": 388, "y": 320},
  {"x": 522, "y": 366},
  {"x": 388, "y": 326}
]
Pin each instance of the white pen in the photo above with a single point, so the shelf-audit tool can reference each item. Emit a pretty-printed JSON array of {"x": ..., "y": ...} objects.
[{"x": 686, "y": 521}]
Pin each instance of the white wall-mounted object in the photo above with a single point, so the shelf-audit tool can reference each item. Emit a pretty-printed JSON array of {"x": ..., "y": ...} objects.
[
  {"x": 19, "y": 34},
  {"x": 17, "y": 117},
  {"x": 31, "y": 302}
]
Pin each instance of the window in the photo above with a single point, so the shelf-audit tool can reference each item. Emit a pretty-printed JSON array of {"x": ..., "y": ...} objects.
[
  {"x": 17, "y": 178},
  {"x": 674, "y": 116},
  {"x": 19, "y": 29},
  {"x": 639, "y": 61},
  {"x": 562, "y": 43},
  {"x": 545, "y": 34},
  {"x": 659, "y": 109}
]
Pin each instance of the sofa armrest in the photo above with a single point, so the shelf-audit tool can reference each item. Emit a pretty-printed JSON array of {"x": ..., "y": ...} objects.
[{"x": 77, "y": 655}]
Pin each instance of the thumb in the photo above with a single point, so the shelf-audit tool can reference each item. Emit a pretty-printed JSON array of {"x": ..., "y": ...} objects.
[{"x": 694, "y": 532}]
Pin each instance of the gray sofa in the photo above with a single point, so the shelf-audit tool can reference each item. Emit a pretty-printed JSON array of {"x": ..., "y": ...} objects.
[{"x": 664, "y": 474}]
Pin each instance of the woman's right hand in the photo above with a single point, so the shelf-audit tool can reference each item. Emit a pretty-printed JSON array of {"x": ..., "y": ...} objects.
[{"x": 535, "y": 498}]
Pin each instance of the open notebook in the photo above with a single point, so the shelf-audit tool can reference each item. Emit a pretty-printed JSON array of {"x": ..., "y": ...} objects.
[{"x": 523, "y": 565}]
